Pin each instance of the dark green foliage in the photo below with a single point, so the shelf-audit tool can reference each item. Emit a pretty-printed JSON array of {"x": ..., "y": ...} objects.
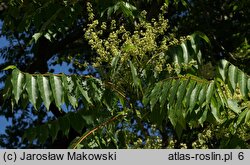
[{"x": 197, "y": 85}]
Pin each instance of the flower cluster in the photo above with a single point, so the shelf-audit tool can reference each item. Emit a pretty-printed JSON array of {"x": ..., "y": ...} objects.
[{"x": 146, "y": 45}]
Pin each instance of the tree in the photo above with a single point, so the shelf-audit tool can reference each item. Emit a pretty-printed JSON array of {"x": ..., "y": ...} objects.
[{"x": 150, "y": 89}]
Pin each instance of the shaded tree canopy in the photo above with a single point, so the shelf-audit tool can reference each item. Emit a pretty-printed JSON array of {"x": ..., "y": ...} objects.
[{"x": 133, "y": 55}]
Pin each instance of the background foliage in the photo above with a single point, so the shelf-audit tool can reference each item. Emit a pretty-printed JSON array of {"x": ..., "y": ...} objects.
[{"x": 154, "y": 79}]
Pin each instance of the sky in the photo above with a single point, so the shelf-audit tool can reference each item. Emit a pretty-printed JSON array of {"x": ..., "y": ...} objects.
[{"x": 3, "y": 121}]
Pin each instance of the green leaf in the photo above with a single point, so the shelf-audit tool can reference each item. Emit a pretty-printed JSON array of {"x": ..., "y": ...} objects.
[
  {"x": 177, "y": 54},
  {"x": 57, "y": 90},
  {"x": 54, "y": 127},
  {"x": 242, "y": 116},
  {"x": 139, "y": 114},
  {"x": 155, "y": 94},
  {"x": 114, "y": 64},
  {"x": 167, "y": 2},
  {"x": 232, "y": 75},
  {"x": 127, "y": 9},
  {"x": 177, "y": 118},
  {"x": 203, "y": 36},
  {"x": 178, "y": 130},
  {"x": 184, "y": 3},
  {"x": 76, "y": 122},
  {"x": 95, "y": 89},
  {"x": 210, "y": 92},
  {"x": 78, "y": 140},
  {"x": 48, "y": 22},
  {"x": 203, "y": 118},
  {"x": 191, "y": 87},
  {"x": 75, "y": 143},
  {"x": 30, "y": 134},
  {"x": 109, "y": 99},
  {"x": 248, "y": 84},
  {"x": 157, "y": 115},
  {"x": 43, "y": 133},
  {"x": 202, "y": 95},
  {"x": 233, "y": 105},
  {"x": 173, "y": 91},
  {"x": 181, "y": 93},
  {"x": 172, "y": 115},
  {"x": 181, "y": 118},
  {"x": 121, "y": 100},
  {"x": 247, "y": 118},
  {"x": 25, "y": 100},
  {"x": 110, "y": 11},
  {"x": 185, "y": 53},
  {"x": 219, "y": 92},
  {"x": 242, "y": 79},
  {"x": 35, "y": 37},
  {"x": 32, "y": 89},
  {"x": 64, "y": 124},
  {"x": 45, "y": 90},
  {"x": 88, "y": 119},
  {"x": 69, "y": 88},
  {"x": 122, "y": 138},
  {"x": 129, "y": 47},
  {"x": 17, "y": 83},
  {"x": 194, "y": 46},
  {"x": 194, "y": 96},
  {"x": 81, "y": 85},
  {"x": 10, "y": 67},
  {"x": 136, "y": 80},
  {"x": 215, "y": 108},
  {"x": 165, "y": 93},
  {"x": 223, "y": 68}
]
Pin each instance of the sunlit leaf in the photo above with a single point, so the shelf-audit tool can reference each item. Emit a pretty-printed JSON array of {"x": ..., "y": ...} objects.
[
  {"x": 45, "y": 90},
  {"x": 57, "y": 90},
  {"x": 248, "y": 84},
  {"x": 232, "y": 75},
  {"x": 215, "y": 109},
  {"x": 233, "y": 105},
  {"x": 193, "y": 97},
  {"x": 10, "y": 67},
  {"x": 242, "y": 79},
  {"x": 210, "y": 92},
  {"x": 82, "y": 88},
  {"x": 18, "y": 82},
  {"x": 36, "y": 36},
  {"x": 32, "y": 89},
  {"x": 247, "y": 118},
  {"x": 242, "y": 115},
  {"x": 223, "y": 69},
  {"x": 185, "y": 53}
]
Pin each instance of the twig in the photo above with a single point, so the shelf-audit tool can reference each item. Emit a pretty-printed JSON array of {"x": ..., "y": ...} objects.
[{"x": 84, "y": 136}]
